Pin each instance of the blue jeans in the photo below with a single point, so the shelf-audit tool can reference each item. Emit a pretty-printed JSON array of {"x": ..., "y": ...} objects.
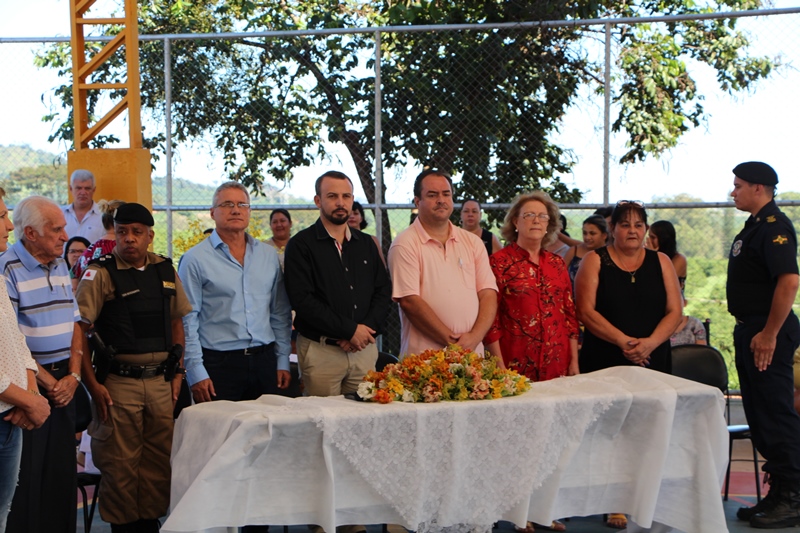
[{"x": 10, "y": 452}]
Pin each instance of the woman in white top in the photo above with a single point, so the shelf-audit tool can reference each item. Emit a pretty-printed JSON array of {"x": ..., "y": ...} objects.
[{"x": 21, "y": 406}]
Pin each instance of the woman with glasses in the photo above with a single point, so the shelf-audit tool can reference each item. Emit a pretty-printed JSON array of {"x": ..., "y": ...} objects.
[{"x": 535, "y": 331}]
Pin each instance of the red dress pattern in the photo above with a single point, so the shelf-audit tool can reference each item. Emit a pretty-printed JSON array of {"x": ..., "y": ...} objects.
[{"x": 536, "y": 313}]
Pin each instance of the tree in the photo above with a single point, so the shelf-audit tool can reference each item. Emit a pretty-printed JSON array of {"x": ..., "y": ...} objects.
[
  {"x": 44, "y": 180},
  {"x": 482, "y": 104}
]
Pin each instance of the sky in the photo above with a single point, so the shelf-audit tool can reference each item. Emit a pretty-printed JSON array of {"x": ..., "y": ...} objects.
[{"x": 761, "y": 125}]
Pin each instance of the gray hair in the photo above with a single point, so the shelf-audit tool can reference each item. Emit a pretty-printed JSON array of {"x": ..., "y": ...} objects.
[
  {"x": 229, "y": 185},
  {"x": 32, "y": 212},
  {"x": 81, "y": 175}
]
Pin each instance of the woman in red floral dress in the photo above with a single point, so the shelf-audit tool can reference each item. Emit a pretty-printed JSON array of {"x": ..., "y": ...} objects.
[{"x": 536, "y": 328}]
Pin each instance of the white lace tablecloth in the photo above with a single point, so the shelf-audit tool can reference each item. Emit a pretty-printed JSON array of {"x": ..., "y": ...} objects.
[{"x": 624, "y": 439}]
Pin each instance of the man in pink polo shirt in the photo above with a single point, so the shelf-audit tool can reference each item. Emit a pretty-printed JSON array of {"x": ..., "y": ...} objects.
[{"x": 440, "y": 274}]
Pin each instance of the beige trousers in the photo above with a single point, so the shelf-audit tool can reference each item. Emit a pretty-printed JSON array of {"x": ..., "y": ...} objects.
[{"x": 328, "y": 370}]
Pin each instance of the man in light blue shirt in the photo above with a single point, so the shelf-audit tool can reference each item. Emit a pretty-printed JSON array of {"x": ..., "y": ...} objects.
[{"x": 238, "y": 335}]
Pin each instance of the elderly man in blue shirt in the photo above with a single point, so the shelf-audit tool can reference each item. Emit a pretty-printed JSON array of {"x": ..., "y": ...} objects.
[
  {"x": 238, "y": 335},
  {"x": 38, "y": 284}
]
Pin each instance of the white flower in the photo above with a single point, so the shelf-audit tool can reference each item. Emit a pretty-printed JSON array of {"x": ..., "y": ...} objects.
[
  {"x": 366, "y": 389},
  {"x": 408, "y": 396},
  {"x": 454, "y": 367}
]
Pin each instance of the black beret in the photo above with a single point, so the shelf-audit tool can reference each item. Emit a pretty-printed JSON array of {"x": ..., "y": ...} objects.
[
  {"x": 131, "y": 213},
  {"x": 756, "y": 172}
]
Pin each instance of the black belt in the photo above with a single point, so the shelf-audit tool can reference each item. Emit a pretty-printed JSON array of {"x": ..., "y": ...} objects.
[
  {"x": 136, "y": 371},
  {"x": 327, "y": 340},
  {"x": 58, "y": 365},
  {"x": 253, "y": 350},
  {"x": 750, "y": 318}
]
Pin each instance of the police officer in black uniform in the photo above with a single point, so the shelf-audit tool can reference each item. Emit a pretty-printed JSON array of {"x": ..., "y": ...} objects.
[
  {"x": 762, "y": 284},
  {"x": 135, "y": 302}
]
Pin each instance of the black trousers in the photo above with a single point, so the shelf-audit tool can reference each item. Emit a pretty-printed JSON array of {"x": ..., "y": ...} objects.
[
  {"x": 768, "y": 397},
  {"x": 238, "y": 377},
  {"x": 46, "y": 497}
]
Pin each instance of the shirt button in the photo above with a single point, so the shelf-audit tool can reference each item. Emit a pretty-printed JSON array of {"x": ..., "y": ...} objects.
[
  {"x": 351, "y": 287},
  {"x": 355, "y": 306}
]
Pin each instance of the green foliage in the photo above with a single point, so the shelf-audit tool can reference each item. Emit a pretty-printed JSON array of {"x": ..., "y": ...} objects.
[
  {"x": 482, "y": 104},
  {"x": 45, "y": 180}
]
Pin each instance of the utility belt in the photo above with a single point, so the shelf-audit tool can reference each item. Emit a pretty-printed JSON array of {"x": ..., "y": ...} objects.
[{"x": 136, "y": 371}]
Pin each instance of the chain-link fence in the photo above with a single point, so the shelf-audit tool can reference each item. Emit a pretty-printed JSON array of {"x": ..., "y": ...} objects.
[{"x": 507, "y": 107}]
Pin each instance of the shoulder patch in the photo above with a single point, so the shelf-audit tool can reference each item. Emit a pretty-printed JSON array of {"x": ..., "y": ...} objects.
[
  {"x": 102, "y": 259},
  {"x": 771, "y": 219},
  {"x": 169, "y": 285},
  {"x": 89, "y": 275},
  {"x": 780, "y": 239}
]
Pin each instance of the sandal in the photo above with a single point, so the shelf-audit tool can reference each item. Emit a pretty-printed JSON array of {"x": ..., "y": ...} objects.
[
  {"x": 527, "y": 529},
  {"x": 555, "y": 525},
  {"x": 617, "y": 521}
]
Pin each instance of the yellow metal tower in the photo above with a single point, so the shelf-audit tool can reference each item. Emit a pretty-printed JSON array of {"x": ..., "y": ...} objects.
[{"x": 120, "y": 173}]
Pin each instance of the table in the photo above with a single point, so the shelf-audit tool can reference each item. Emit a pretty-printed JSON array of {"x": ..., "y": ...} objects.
[{"x": 624, "y": 439}]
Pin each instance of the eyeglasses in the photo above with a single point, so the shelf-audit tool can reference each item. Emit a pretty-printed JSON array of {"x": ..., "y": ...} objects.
[
  {"x": 231, "y": 205},
  {"x": 634, "y": 202},
  {"x": 74, "y": 251},
  {"x": 544, "y": 217}
]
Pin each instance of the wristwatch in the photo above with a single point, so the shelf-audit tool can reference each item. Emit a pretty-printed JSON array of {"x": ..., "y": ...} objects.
[{"x": 76, "y": 376}]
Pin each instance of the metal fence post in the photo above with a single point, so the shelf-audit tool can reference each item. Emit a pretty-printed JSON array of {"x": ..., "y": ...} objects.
[
  {"x": 378, "y": 159},
  {"x": 168, "y": 144},
  {"x": 607, "y": 115}
]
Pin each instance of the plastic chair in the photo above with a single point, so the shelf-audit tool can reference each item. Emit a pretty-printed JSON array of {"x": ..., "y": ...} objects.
[
  {"x": 88, "y": 480},
  {"x": 706, "y": 365}
]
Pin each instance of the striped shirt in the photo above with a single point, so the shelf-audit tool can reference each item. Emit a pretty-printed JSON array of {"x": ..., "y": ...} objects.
[{"x": 42, "y": 298}]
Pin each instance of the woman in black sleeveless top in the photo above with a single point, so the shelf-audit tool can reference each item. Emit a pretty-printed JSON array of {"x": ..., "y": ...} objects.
[{"x": 628, "y": 298}]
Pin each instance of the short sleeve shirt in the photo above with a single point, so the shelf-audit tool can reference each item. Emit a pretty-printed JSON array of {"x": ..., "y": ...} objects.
[
  {"x": 448, "y": 277},
  {"x": 96, "y": 288},
  {"x": 762, "y": 251}
]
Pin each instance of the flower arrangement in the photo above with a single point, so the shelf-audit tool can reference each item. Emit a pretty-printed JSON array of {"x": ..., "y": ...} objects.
[{"x": 449, "y": 374}]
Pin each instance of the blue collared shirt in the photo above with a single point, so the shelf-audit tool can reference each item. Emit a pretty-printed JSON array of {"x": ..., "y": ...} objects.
[
  {"x": 233, "y": 307},
  {"x": 42, "y": 298}
]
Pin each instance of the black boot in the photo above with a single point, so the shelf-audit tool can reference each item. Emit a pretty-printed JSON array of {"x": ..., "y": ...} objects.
[
  {"x": 124, "y": 528},
  {"x": 785, "y": 512},
  {"x": 147, "y": 526},
  {"x": 746, "y": 513}
]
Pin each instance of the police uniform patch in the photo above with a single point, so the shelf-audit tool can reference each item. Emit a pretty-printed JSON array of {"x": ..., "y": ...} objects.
[
  {"x": 737, "y": 247},
  {"x": 89, "y": 275},
  {"x": 169, "y": 285},
  {"x": 780, "y": 239},
  {"x": 771, "y": 218}
]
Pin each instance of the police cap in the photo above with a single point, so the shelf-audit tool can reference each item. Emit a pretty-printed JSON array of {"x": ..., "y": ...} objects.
[
  {"x": 756, "y": 172},
  {"x": 131, "y": 213}
]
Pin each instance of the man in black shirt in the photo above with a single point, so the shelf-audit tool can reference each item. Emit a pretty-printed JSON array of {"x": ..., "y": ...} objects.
[
  {"x": 340, "y": 291},
  {"x": 762, "y": 284}
]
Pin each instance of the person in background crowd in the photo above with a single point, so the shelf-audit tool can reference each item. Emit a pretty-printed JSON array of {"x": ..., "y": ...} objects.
[
  {"x": 280, "y": 222},
  {"x": 471, "y": 212},
  {"x": 83, "y": 215},
  {"x": 358, "y": 221},
  {"x": 561, "y": 245},
  {"x": 22, "y": 408},
  {"x": 101, "y": 246},
  {"x": 72, "y": 253},
  {"x": 762, "y": 285},
  {"x": 38, "y": 285},
  {"x": 125, "y": 296},
  {"x": 661, "y": 238},
  {"x": 441, "y": 275},
  {"x": 629, "y": 301},
  {"x": 689, "y": 331},
  {"x": 595, "y": 235},
  {"x": 606, "y": 212}
]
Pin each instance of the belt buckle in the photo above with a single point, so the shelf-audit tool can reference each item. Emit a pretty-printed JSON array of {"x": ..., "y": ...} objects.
[{"x": 251, "y": 351}]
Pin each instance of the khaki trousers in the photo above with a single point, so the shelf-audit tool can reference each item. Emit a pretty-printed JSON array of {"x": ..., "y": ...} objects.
[
  {"x": 132, "y": 449},
  {"x": 328, "y": 370}
]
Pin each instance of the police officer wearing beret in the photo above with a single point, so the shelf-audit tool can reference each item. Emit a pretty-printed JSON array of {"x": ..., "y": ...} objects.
[
  {"x": 762, "y": 284},
  {"x": 135, "y": 302}
]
